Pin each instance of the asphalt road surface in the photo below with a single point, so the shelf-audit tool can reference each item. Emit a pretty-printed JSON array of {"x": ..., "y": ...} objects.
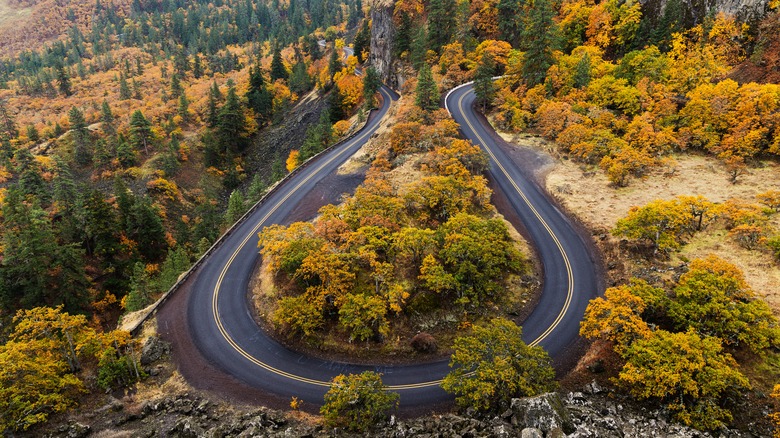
[{"x": 222, "y": 327}]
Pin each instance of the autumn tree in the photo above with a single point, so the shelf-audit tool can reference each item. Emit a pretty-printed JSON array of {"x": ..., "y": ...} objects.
[
  {"x": 714, "y": 299},
  {"x": 363, "y": 317},
  {"x": 691, "y": 374},
  {"x": 661, "y": 223},
  {"x": 492, "y": 365},
  {"x": 617, "y": 317},
  {"x": 357, "y": 402}
]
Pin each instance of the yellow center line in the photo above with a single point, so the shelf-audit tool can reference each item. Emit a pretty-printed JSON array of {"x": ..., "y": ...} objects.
[
  {"x": 570, "y": 291},
  {"x": 255, "y": 230}
]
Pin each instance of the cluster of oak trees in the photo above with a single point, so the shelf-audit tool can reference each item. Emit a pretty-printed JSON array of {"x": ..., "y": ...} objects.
[
  {"x": 665, "y": 225},
  {"x": 51, "y": 357},
  {"x": 677, "y": 343},
  {"x": 387, "y": 249}
]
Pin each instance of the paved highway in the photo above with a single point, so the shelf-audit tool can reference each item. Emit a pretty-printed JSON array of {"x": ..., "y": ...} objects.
[{"x": 222, "y": 327}]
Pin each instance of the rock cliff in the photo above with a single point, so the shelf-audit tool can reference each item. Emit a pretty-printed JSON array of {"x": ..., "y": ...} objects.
[{"x": 382, "y": 38}]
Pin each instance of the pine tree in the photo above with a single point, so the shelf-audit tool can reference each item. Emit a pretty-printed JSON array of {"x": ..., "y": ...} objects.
[
  {"x": 259, "y": 99},
  {"x": 197, "y": 67},
  {"x": 124, "y": 89},
  {"x": 582, "y": 72},
  {"x": 336, "y": 105},
  {"x": 7, "y": 125},
  {"x": 236, "y": 208},
  {"x": 511, "y": 21},
  {"x": 541, "y": 39},
  {"x": 300, "y": 81},
  {"x": 140, "y": 130},
  {"x": 212, "y": 111},
  {"x": 362, "y": 41},
  {"x": 184, "y": 108},
  {"x": 441, "y": 23},
  {"x": 371, "y": 85},
  {"x": 278, "y": 71},
  {"x": 484, "y": 88},
  {"x": 63, "y": 80},
  {"x": 107, "y": 118},
  {"x": 231, "y": 125},
  {"x": 81, "y": 154},
  {"x": 334, "y": 63},
  {"x": 176, "y": 88},
  {"x": 427, "y": 93}
]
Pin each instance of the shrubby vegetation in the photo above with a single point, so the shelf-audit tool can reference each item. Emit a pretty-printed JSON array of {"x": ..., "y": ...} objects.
[
  {"x": 388, "y": 249},
  {"x": 677, "y": 343},
  {"x": 492, "y": 365},
  {"x": 357, "y": 402}
]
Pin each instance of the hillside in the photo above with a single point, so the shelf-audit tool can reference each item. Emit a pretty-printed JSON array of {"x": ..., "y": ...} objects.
[{"x": 132, "y": 134}]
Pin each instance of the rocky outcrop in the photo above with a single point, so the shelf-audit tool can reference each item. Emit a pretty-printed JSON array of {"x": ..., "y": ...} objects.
[
  {"x": 592, "y": 413},
  {"x": 382, "y": 38}
]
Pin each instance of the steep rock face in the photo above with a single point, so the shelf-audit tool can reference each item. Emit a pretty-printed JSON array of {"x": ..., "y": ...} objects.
[{"x": 382, "y": 39}]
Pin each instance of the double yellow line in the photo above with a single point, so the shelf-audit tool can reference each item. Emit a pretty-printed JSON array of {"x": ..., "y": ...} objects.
[
  {"x": 566, "y": 261},
  {"x": 427, "y": 384},
  {"x": 255, "y": 230}
]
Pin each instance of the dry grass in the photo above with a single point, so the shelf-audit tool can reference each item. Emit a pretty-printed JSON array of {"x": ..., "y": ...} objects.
[
  {"x": 11, "y": 17},
  {"x": 599, "y": 205}
]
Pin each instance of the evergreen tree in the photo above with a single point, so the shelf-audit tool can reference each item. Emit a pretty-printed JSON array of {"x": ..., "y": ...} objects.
[
  {"x": 30, "y": 180},
  {"x": 278, "y": 71},
  {"x": 197, "y": 67},
  {"x": 145, "y": 227},
  {"x": 176, "y": 87},
  {"x": 63, "y": 80},
  {"x": 81, "y": 152},
  {"x": 441, "y": 23},
  {"x": 418, "y": 47},
  {"x": 427, "y": 93},
  {"x": 582, "y": 72},
  {"x": 124, "y": 89},
  {"x": 336, "y": 105},
  {"x": 107, "y": 118},
  {"x": 371, "y": 85},
  {"x": 403, "y": 35},
  {"x": 259, "y": 99},
  {"x": 236, "y": 208},
  {"x": 184, "y": 108},
  {"x": 32, "y": 134},
  {"x": 7, "y": 125},
  {"x": 212, "y": 110},
  {"x": 511, "y": 21},
  {"x": 362, "y": 41},
  {"x": 334, "y": 63},
  {"x": 484, "y": 88},
  {"x": 140, "y": 130},
  {"x": 300, "y": 81},
  {"x": 231, "y": 125},
  {"x": 541, "y": 39}
]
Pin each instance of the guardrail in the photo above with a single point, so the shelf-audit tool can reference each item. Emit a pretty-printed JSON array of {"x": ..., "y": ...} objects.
[{"x": 152, "y": 309}]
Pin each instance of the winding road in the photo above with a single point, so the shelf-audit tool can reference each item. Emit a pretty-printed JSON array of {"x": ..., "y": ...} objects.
[{"x": 220, "y": 324}]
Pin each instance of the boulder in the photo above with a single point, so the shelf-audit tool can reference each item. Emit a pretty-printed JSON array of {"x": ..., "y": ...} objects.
[
  {"x": 545, "y": 412},
  {"x": 153, "y": 350}
]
